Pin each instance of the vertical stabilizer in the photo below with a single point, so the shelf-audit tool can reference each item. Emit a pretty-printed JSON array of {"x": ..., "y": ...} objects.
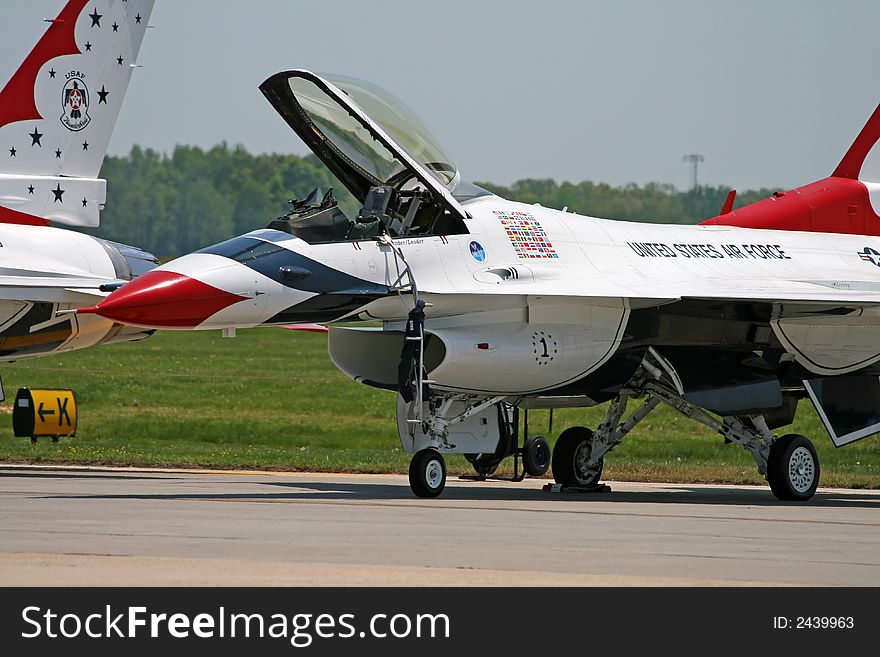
[
  {"x": 862, "y": 160},
  {"x": 58, "y": 110}
]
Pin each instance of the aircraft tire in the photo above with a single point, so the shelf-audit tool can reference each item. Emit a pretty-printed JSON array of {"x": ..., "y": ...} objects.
[
  {"x": 427, "y": 473},
  {"x": 569, "y": 459},
  {"x": 536, "y": 456},
  {"x": 793, "y": 468}
]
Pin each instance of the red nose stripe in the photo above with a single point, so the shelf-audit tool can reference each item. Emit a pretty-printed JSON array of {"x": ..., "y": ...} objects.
[{"x": 164, "y": 299}]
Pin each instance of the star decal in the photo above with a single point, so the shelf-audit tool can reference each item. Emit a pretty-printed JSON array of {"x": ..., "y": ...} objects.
[
  {"x": 85, "y": 202},
  {"x": 31, "y": 190},
  {"x": 85, "y": 145},
  {"x": 58, "y": 194},
  {"x": 137, "y": 19},
  {"x": 36, "y": 136},
  {"x": 115, "y": 27},
  {"x": 58, "y": 154},
  {"x": 12, "y": 152},
  {"x": 119, "y": 60},
  {"x": 96, "y": 18},
  {"x": 88, "y": 47},
  {"x": 51, "y": 72},
  {"x": 103, "y": 95}
]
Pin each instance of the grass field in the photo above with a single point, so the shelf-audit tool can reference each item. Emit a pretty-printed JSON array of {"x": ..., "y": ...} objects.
[{"x": 271, "y": 398}]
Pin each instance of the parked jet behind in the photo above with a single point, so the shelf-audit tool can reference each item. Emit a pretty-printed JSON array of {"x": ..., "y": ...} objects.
[
  {"x": 56, "y": 115},
  {"x": 489, "y": 306}
]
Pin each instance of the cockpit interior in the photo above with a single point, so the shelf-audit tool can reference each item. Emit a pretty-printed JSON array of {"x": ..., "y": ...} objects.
[{"x": 379, "y": 150}]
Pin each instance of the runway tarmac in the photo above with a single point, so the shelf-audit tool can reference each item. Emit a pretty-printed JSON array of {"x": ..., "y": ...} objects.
[{"x": 101, "y": 526}]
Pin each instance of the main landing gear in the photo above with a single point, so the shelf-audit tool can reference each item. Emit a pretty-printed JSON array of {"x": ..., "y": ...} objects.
[
  {"x": 789, "y": 463},
  {"x": 572, "y": 465},
  {"x": 793, "y": 468}
]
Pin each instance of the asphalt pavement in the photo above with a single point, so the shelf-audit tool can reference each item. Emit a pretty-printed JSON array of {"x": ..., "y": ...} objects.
[{"x": 102, "y": 526}]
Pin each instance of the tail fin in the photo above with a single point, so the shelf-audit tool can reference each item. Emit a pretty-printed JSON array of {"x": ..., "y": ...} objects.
[
  {"x": 862, "y": 160},
  {"x": 59, "y": 108},
  {"x": 846, "y": 202}
]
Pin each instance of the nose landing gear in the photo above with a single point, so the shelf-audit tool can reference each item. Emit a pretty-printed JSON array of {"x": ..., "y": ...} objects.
[{"x": 427, "y": 473}]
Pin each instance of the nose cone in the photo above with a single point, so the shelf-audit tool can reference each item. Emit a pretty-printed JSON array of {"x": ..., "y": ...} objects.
[{"x": 164, "y": 299}]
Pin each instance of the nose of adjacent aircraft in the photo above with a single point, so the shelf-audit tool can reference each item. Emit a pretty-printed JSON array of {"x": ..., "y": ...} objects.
[{"x": 164, "y": 299}]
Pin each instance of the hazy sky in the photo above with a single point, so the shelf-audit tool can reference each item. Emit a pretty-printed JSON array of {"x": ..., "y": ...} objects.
[{"x": 771, "y": 93}]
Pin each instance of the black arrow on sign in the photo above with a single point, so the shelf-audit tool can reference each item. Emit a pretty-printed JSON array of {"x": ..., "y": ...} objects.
[{"x": 43, "y": 413}]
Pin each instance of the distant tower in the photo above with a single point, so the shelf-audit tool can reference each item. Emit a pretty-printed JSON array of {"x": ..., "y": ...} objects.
[{"x": 694, "y": 159}]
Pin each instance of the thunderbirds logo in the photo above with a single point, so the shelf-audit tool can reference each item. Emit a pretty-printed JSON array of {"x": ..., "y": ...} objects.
[{"x": 75, "y": 102}]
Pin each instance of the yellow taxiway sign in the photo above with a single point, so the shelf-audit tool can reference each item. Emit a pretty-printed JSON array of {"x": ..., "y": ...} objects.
[{"x": 44, "y": 413}]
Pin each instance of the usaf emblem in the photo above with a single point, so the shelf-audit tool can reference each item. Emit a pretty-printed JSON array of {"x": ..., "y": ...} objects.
[
  {"x": 870, "y": 255},
  {"x": 75, "y": 102}
]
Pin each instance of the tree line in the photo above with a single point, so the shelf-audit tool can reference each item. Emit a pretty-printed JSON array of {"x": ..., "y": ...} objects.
[
  {"x": 653, "y": 202},
  {"x": 177, "y": 203}
]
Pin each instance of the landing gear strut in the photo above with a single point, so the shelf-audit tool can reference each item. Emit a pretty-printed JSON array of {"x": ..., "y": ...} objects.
[{"x": 789, "y": 463}]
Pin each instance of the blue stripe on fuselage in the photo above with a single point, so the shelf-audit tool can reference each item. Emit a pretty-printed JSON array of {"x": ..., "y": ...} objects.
[{"x": 268, "y": 259}]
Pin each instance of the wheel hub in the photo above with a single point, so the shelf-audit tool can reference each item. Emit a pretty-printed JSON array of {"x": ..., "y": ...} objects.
[
  {"x": 584, "y": 471},
  {"x": 801, "y": 469},
  {"x": 542, "y": 457},
  {"x": 433, "y": 474}
]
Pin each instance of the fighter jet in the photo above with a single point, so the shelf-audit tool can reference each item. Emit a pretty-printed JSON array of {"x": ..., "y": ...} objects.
[
  {"x": 56, "y": 115},
  {"x": 482, "y": 308}
]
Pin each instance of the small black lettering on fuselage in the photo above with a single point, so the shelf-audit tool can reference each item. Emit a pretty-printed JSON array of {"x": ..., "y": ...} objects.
[
  {"x": 697, "y": 251},
  {"x": 652, "y": 250}
]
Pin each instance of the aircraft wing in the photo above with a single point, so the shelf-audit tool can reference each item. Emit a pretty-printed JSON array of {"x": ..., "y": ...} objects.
[
  {"x": 831, "y": 293},
  {"x": 533, "y": 280},
  {"x": 53, "y": 290}
]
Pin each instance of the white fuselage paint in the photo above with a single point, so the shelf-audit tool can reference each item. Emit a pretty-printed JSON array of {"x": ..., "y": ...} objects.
[
  {"x": 602, "y": 269},
  {"x": 40, "y": 264}
]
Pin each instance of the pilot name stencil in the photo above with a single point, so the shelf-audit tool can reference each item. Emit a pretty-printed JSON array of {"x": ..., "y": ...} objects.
[{"x": 748, "y": 251}]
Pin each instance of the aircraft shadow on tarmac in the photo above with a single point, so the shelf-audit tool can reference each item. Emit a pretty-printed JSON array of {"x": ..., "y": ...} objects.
[{"x": 382, "y": 492}]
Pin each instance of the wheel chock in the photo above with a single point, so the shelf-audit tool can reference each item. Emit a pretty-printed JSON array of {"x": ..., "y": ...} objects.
[{"x": 562, "y": 488}]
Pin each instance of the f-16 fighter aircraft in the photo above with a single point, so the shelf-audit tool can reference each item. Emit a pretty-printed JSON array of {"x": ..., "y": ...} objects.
[
  {"x": 487, "y": 306},
  {"x": 56, "y": 115}
]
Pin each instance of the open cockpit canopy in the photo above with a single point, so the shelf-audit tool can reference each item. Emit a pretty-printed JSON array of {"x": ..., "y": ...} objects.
[{"x": 378, "y": 149}]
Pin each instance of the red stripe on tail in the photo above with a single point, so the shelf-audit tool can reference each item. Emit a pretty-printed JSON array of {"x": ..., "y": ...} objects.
[
  {"x": 17, "y": 102},
  {"x": 8, "y": 216}
]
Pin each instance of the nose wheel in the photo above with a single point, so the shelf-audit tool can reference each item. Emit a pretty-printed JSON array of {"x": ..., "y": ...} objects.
[
  {"x": 427, "y": 473},
  {"x": 793, "y": 468}
]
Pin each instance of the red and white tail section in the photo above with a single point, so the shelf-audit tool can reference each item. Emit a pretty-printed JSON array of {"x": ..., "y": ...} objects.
[
  {"x": 862, "y": 160},
  {"x": 59, "y": 108},
  {"x": 846, "y": 202}
]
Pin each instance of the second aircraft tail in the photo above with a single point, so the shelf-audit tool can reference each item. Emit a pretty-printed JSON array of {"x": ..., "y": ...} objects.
[{"x": 58, "y": 110}]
